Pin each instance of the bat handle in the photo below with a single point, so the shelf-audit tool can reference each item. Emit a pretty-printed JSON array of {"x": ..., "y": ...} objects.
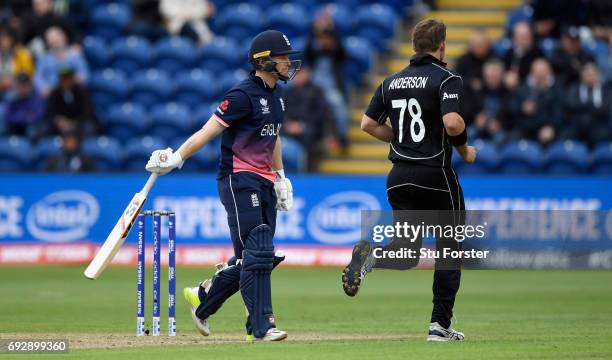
[{"x": 147, "y": 187}]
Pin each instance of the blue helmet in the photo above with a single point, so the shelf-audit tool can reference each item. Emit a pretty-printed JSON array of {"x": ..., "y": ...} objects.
[{"x": 268, "y": 44}]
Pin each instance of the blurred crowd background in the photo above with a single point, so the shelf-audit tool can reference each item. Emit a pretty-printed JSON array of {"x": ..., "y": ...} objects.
[{"x": 96, "y": 85}]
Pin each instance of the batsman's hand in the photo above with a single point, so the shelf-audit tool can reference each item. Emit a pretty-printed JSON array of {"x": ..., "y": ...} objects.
[
  {"x": 284, "y": 193},
  {"x": 163, "y": 161}
]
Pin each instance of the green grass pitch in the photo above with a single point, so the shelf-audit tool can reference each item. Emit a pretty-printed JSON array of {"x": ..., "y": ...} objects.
[{"x": 504, "y": 314}]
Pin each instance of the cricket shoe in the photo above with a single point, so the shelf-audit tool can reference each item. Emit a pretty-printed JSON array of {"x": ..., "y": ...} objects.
[
  {"x": 438, "y": 333},
  {"x": 361, "y": 263},
  {"x": 273, "y": 334},
  {"x": 191, "y": 295}
]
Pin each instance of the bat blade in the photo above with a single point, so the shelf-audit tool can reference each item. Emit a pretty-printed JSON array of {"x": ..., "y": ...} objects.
[{"x": 116, "y": 238}]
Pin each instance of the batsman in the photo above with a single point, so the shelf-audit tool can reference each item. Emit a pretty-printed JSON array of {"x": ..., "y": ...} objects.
[{"x": 251, "y": 184}]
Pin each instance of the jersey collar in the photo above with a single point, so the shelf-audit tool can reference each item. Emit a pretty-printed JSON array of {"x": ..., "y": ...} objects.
[
  {"x": 424, "y": 58},
  {"x": 259, "y": 81}
]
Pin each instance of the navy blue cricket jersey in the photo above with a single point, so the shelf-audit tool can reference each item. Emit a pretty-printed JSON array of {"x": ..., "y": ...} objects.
[{"x": 253, "y": 114}]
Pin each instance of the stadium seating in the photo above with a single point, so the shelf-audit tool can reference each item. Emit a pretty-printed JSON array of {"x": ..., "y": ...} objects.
[
  {"x": 521, "y": 157},
  {"x": 567, "y": 158},
  {"x": 106, "y": 151},
  {"x": 130, "y": 54},
  {"x": 16, "y": 154},
  {"x": 375, "y": 23},
  {"x": 207, "y": 159},
  {"x": 290, "y": 19},
  {"x": 170, "y": 120},
  {"x": 150, "y": 87},
  {"x": 96, "y": 52},
  {"x": 343, "y": 19},
  {"x": 359, "y": 59},
  {"x": 46, "y": 148},
  {"x": 487, "y": 160},
  {"x": 220, "y": 54},
  {"x": 602, "y": 159},
  {"x": 138, "y": 150},
  {"x": 109, "y": 20},
  {"x": 125, "y": 121},
  {"x": 174, "y": 54},
  {"x": 240, "y": 21},
  {"x": 195, "y": 87},
  {"x": 108, "y": 87},
  {"x": 294, "y": 158}
]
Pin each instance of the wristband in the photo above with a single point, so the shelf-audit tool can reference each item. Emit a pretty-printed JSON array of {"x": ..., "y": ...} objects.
[{"x": 458, "y": 140}]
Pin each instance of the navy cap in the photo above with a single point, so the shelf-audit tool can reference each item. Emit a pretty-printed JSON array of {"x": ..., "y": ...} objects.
[{"x": 270, "y": 43}]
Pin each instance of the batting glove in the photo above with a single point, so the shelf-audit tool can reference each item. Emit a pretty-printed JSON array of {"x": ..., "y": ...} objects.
[
  {"x": 163, "y": 161},
  {"x": 284, "y": 191}
]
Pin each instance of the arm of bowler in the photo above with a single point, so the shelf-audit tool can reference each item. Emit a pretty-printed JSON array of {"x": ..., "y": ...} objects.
[{"x": 382, "y": 132}]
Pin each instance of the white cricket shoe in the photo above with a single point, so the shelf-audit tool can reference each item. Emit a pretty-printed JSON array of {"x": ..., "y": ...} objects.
[
  {"x": 191, "y": 295},
  {"x": 273, "y": 334},
  {"x": 438, "y": 333}
]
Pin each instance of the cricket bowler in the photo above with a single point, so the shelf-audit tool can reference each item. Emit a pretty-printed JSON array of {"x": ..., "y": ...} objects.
[
  {"x": 423, "y": 103},
  {"x": 251, "y": 185}
]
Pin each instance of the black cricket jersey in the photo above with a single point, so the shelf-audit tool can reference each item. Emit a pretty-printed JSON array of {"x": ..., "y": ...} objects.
[{"x": 415, "y": 99}]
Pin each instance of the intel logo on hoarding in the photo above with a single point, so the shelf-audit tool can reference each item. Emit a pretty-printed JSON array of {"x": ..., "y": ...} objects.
[
  {"x": 337, "y": 219},
  {"x": 63, "y": 216}
]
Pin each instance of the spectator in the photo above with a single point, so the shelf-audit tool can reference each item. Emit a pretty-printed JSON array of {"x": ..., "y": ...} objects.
[
  {"x": 491, "y": 120},
  {"x": 470, "y": 64},
  {"x": 589, "y": 108},
  {"x": 39, "y": 21},
  {"x": 188, "y": 18},
  {"x": 69, "y": 107},
  {"x": 519, "y": 58},
  {"x": 569, "y": 58},
  {"x": 146, "y": 20},
  {"x": 537, "y": 105},
  {"x": 552, "y": 16},
  {"x": 71, "y": 159},
  {"x": 13, "y": 60},
  {"x": 308, "y": 117},
  {"x": 60, "y": 55},
  {"x": 25, "y": 111},
  {"x": 325, "y": 52}
]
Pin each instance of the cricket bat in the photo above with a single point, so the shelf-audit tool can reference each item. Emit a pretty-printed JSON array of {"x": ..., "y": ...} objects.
[{"x": 117, "y": 236}]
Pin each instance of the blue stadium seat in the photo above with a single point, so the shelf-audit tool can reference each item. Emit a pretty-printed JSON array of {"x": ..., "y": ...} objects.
[
  {"x": 151, "y": 87},
  {"x": 174, "y": 53},
  {"x": 109, "y": 20},
  {"x": 203, "y": 112},
  {"x": 170, "y": 120},
  {"x": 106, "y": 151},
  {"x": 207, "y": 159},
  {"x": 290, "y": 19},
  {"x": 400, "y": 7},
  {"x": 220, "y": 54},
  {"x": 96, "y": 52},
  {"x": 359, "y": 59},
  {"x": 567, "y": 158},
  {"x": 16, "y": 154},
  {"x": 228, "y": 80},
  {"x": 602, "y": 159},
  {"x": 46, "y": 148},
  {"x": 487, "y": 159},
  {"x": 108, "y": 87},
  {"x": 125, "y": 121},
  {"x": 548, "y": 45},
  {"x": 598, "y": 49},
  {"x": 130, "y": 54},
  {"x": 376, "y": 23},
  {"x": 241, "y": 21},
  {"x": 294, "y": 156},
  {"x": 501, "y": 46},
  {"x": 137, "y": 152},
  {"x": 524, "y": 13},
  {"x": 521, "y": 157},
  {"x": 195, "y": 87}
]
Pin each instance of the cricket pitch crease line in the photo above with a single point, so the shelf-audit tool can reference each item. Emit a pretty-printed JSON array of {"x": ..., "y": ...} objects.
[{"x": 79, "y": 341}]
